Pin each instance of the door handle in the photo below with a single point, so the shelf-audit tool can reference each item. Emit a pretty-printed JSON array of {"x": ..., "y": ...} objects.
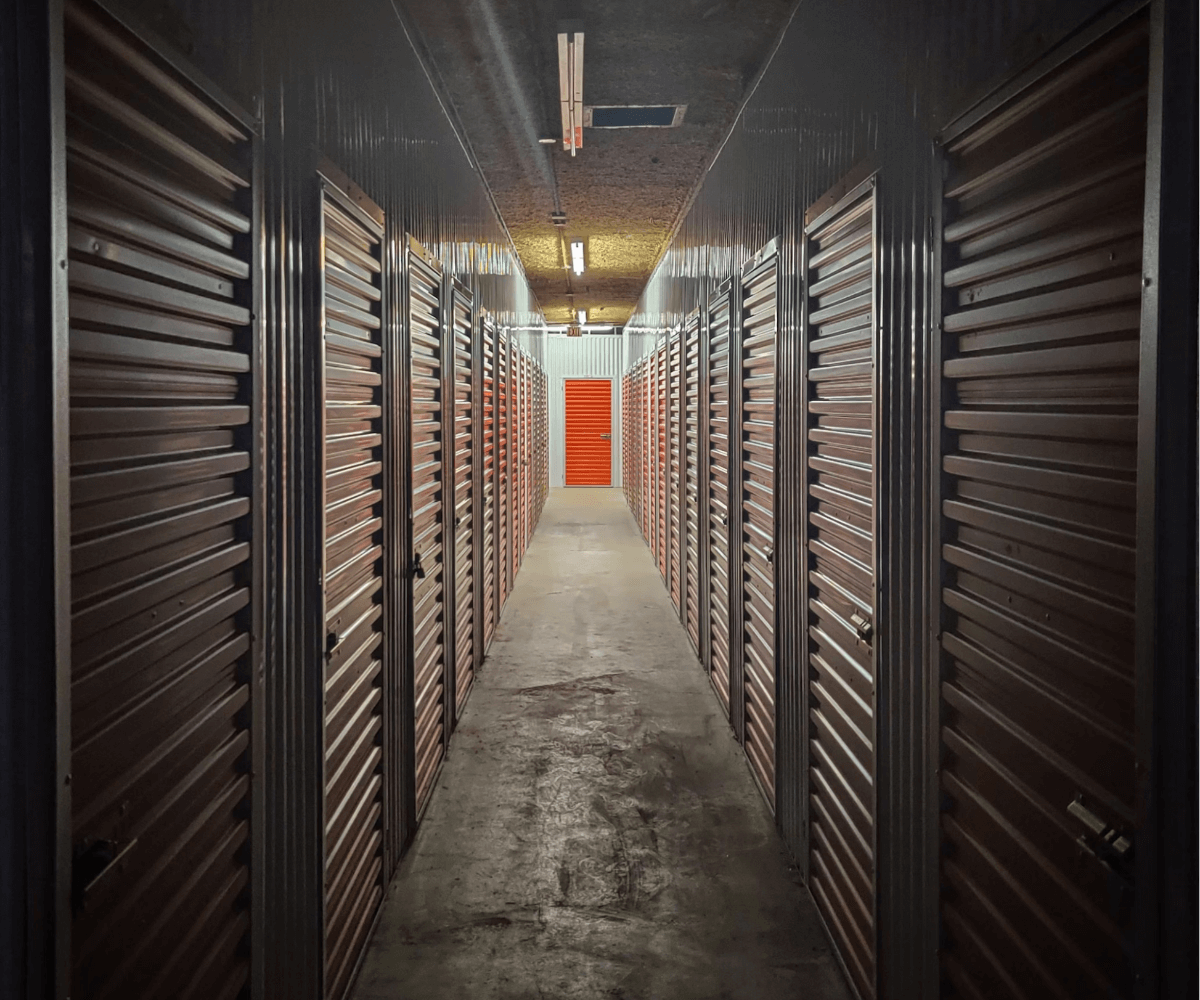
[
  {"x": 417, "y": 570},
  {"x": 606, "y": 437}
]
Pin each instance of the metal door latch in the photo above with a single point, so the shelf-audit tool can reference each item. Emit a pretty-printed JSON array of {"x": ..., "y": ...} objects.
[
  {"x": 771, "y": 556},
  {"x": 1108, "y": 844},
  {"x": 417, "y": 571},
  {"x": 605, "y": 437},
  {"x": 331, "y": 641},
  {"x": 862, "y": 625}
]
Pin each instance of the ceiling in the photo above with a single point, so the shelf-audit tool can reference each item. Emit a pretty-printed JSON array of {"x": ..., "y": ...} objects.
[{"x": 623, "y": 193}]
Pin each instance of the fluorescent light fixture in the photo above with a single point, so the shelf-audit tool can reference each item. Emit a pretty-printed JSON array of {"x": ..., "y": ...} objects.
[
  {"x": 577, "y": 256},
  {"x": 548, "y": 142},
  {"x": 570, "y": 83},
  {"x": 582, "y": 314}
]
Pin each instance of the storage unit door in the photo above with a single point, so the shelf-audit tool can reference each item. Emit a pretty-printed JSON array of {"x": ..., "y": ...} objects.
[
  {"x": 646, "y": 422},
  {"x": 691, "y": 500},
  {"x": 515, "y": 447},
  {"x": 428, "y": 517},
  {"x": 840, "y": 565},
  {"x": 161, "y": 490},
  {"x": 588, "y": 436},
  {"x": 674, "y": 469},
  {"x": 652, "y": 455},
  {"x": 757, "y": 488},
  {"x": 490, "y": 512},
  {"x": 526, "y": 450},
  {"x": 1043, "y": 257},
  {"x": 464, "y": 498},
  {"x": 503, "y": 493},
  {"x": 718, "y": 496},
  {"x": 661, "y": 458},
  {"x": 353, "y": 574},
  {"x": 626, "y": 473}
]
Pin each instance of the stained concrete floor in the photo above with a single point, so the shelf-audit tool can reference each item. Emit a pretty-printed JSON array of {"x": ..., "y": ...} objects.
[{"x": 596, "y": 833}]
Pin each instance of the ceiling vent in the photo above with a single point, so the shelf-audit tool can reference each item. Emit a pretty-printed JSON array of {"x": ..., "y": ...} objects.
[{"x": 633, "y": 115}]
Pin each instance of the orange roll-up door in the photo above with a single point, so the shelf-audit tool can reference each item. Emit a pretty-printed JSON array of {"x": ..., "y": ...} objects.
[{"x": 588, "y": 432}]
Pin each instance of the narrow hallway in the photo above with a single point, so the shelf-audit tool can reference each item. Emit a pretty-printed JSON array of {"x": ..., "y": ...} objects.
[{"x": 596, "y": 832}]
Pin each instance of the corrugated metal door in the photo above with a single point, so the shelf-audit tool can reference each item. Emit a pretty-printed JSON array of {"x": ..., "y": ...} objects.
[
  {"x": 490, "y": 507},
  {"x": 757, "y": 497},
  {"x": 1043, "y": 257},
  {"x": 692, "y": 498},
  {"x": 588, "y": 436},
  {"x": 504, "y": 492},
  {"x": 717, "y": 414},
  {"x": 516, "y": 450},
  {"x": 351, "y": 237},
  {"x": 426, "y": 349},
  {"x": 626, "y": 440},
  {"x": 674, "y": 462},
  {"x": 662, "y": 513},
  {"x": 161, "y": 394},
  {"x": 526, "y": 452},
  {"x": 840, "y": 324},
  {"x": 464, "y": 497},
  {"x": 647, "y": 432},
  {"x": 543, "y": 450}
]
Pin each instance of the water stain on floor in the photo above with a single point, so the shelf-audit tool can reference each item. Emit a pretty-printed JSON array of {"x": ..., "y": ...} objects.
[{"x": 595, "y": 834}]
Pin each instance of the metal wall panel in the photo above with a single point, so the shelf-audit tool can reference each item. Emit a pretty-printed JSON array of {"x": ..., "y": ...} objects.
[
  {"x": 840, "y": 333},
  {"x": 353, "y": 576},
  {"x": 463, "y": 523},
  {"x": 158, "y": 205},
  {"x": 430, "y": 640},
  {"x": 756, "y": 478},
  {"x": 716, "y": 414},
  {"x": 1043, "y": 286}
]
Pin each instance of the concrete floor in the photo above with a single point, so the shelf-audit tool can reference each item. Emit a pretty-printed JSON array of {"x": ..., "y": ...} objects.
[{"x": 596, "y": 832}]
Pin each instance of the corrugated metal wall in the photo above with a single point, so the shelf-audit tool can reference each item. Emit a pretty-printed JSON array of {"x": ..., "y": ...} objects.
[
  {"x": 855, "y": 90},
  {"x": 589, "y": 356},
  {"x": 319, "y": 87}
]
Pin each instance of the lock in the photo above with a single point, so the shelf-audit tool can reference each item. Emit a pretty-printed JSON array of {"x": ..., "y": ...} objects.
[
  {"x": 417, "y": 571},
  {"x": 1112, "y": 848},
  {"x": 862, "y": 625}
]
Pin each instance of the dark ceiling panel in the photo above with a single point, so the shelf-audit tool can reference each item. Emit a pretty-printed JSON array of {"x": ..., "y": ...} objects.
[{"x": 623, "y": 193}]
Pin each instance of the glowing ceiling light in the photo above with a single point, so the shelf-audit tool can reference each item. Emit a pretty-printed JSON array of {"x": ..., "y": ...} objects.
[
  {"x": 582, "y": 314},
  {"x": 577, "y": 256}
]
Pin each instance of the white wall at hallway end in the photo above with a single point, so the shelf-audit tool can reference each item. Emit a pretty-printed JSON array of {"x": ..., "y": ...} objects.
[{"x": 590, "y": 356}]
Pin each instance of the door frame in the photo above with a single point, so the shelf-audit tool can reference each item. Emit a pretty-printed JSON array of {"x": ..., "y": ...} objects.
[{"x": 612, "y": 441}]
